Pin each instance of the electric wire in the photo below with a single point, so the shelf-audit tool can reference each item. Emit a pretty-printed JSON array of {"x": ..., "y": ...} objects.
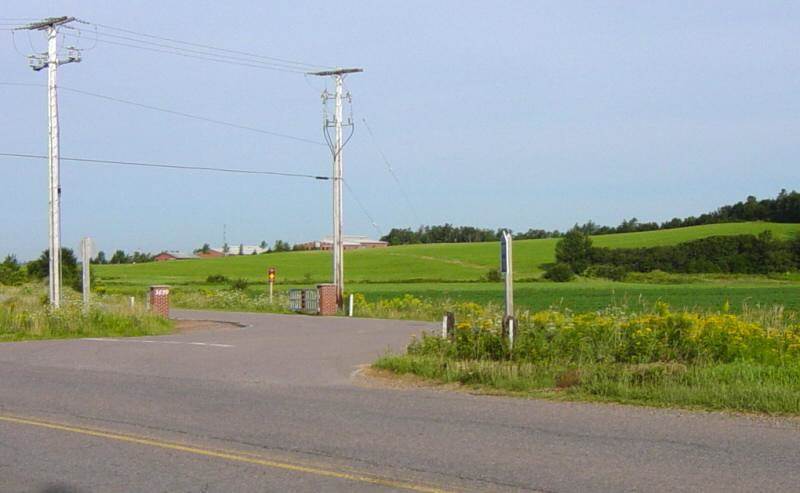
[
  {"x": 168, "y": 166},
  {"x": 206, "y": 46},
  {"x": 391, "y": 171},
  {"x": 362, "y": 207},
  {"x": 276, "y": 65},
  {"x": 171, "y": 112},
  {"x": 199, "y": 57}
]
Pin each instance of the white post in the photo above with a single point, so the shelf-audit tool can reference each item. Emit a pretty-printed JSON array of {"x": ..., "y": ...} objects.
[
  {"x": 444, "y": 327},
  {"x": 350, "y": 310},
  {"x": 54, "y": 165},
  {"x": 511, "y": 333},
  {"x": 86, "y": 254},
  {"x": 133, "y": 301},
  {"x": 507, "y": 268},
  {"x": 338, "y": 245},
  {"x": 270, "y": 292}
]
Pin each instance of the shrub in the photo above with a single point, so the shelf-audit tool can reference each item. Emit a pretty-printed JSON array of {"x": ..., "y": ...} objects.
[
  {"x": 239, "y": 284},
  {"x": 11, "y": 273},
  {"x": 494, "y": 275},
  {"x": 612, "y": 272},
  {"x": 216, "y": 279},
  {"x": 574, "y": 250},
  {"x": 560, "y": 272},
  {"x": 739, "y": 254}
]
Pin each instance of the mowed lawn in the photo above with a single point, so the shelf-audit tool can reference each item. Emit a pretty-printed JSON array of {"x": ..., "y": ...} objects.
[{"x": 408, "y": 263}]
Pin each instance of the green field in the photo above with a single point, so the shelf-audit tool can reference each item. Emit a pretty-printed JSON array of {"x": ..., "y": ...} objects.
[
  {"x": 596, "y": 294},
  {"x": 455, "y": 271},
  {"x": 444, "y": 262}
]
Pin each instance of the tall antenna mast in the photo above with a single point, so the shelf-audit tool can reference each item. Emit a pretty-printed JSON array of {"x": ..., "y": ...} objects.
[
  {"x": 336, "y": 144},
  {"x": 39, "y": 61}
]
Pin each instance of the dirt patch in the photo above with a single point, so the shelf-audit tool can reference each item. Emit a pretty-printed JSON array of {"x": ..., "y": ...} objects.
[
  {"x": 182, "y": 326},
  {"x": 376, "y": 378}
]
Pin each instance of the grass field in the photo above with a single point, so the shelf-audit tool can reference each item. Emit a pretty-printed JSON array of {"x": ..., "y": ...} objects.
[
  {"x": 408, "y": 263},
  {"x": 454, "y": 272},
  {"x": 596, "y": 294}
]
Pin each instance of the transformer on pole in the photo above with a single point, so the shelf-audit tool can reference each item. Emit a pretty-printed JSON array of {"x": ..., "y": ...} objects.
[
  {"x": 38, "y": 62},
  {"x": 336, "y": 144}
]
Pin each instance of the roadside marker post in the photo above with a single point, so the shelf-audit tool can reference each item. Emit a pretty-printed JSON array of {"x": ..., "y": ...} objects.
[
  {"x": 271, "y": 276},
  {"x": 507, "y": 269},
  {"x": 350, "y": 310},
  {"x": 511, "y": 324},
  {"x": 449, "y": 325},
  {"x": 86, "y": 260}
]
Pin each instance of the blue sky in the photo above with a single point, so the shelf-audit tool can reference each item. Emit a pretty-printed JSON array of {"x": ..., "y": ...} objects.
[{"x": 519, "y": 114}]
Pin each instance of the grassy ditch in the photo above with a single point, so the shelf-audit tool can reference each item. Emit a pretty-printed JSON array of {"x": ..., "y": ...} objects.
[
  {"x": 24, "y": 315},
  {"x": 714, "y": 360}
]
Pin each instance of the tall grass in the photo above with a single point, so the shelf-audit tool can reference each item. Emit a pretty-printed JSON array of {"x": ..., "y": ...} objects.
[
  {"x": 651, "y": 355},
  {"x": 25, "y": 315},
  {"x": 231, "y": 299}
]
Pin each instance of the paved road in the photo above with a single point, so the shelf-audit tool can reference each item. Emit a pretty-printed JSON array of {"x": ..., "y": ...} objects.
[{"x": 272, "y": 407}]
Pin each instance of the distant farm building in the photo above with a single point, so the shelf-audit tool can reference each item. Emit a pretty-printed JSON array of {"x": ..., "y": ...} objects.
[
  {"x": 350, "y": 243},
  {"x": 239, "y": 250},
  {"x": 211, "y": 253},
  {"x": 173, "y": 255}
]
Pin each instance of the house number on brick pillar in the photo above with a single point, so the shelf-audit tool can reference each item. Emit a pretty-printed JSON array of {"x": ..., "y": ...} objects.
[{"x": 159, "y": 300}]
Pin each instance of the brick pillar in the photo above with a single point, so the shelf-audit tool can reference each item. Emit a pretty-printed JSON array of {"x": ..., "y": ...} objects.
[
  {"x": 159, "y": 300},
  {"x": 327, "y": 299}
]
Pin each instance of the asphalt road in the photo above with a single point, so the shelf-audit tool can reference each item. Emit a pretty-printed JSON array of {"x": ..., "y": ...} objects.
[{"x": 272, "y": 407}]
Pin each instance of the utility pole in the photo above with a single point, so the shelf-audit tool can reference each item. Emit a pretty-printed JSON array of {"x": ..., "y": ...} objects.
[
  {"x": 336, "y": 144},
  {"x": 37, "y": 63}
]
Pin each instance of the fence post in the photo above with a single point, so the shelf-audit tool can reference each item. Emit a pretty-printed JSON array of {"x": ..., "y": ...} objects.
[{"x": 450, "y": 325}]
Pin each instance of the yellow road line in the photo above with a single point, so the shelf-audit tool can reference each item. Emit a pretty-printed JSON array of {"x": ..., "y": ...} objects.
[{"x": 226, "y": 455}]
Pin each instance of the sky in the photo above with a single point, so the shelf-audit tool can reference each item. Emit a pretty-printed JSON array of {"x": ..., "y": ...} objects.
[{"x": 518, "y": 114}]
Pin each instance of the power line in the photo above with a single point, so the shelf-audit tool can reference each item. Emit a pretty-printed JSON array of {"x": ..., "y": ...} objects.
[
  {"x": 210, "y": 47},
  {"x": 169, "y": 166},
  {"x": 276, "y": 65},
  {"x": 199, "y": 57},
  {"x": 172, "y": 112},
  {"x": 363, "y": 208},
  {"x": 391, "y": 171}
]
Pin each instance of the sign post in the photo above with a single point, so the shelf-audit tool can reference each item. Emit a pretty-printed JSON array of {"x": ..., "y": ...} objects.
[
  {"x": 271, "y": 276},
  {"x": 86, "y": 260},
  {"x": 507, "y": 268}
]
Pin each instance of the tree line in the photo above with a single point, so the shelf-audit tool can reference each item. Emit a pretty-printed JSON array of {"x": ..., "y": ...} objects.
[
  {"x": 120, "y": 257},
  {"x": 785, "y": 208},
  {"x": 738, "y": 254},
  {"x": 13, "y": 273}
]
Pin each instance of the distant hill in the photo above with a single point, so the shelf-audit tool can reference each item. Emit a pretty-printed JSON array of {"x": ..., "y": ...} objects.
[
  {"x": 784, "y": 208},
  {"x": 407, "y": 263}
]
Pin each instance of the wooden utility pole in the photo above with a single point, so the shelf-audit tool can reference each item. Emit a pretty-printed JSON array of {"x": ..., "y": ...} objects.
[
  {"x": 336, "y": 149},
  {"x": 37, "y": 63}
]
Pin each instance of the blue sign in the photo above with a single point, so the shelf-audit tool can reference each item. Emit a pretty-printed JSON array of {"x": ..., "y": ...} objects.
[{"x": 503, "y": 254}]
